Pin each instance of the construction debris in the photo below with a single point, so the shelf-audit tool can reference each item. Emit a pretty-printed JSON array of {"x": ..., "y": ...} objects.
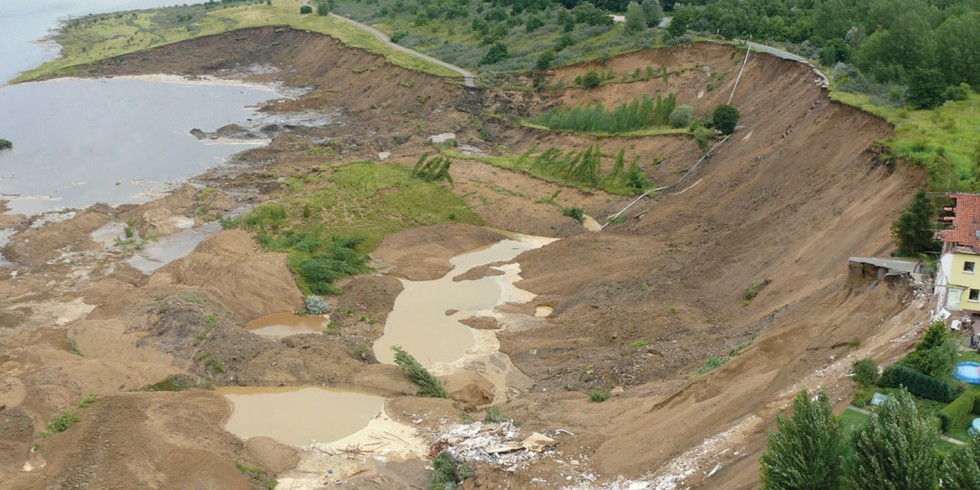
[{"x": 494, "y": 444}]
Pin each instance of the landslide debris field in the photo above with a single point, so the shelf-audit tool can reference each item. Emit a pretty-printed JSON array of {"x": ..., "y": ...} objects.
[{"x": 636, "y": 309}]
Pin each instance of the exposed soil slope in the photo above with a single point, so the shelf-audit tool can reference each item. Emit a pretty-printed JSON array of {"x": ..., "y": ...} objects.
[{"x": 638, "y": 307}]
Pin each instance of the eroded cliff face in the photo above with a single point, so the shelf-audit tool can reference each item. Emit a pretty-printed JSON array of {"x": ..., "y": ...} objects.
[{"x": 641, "y": 305}]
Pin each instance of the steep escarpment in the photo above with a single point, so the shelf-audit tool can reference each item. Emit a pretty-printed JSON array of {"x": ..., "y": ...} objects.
[
  {"x": 638, "y": 308},
  {"x": 778, "y": 208}
]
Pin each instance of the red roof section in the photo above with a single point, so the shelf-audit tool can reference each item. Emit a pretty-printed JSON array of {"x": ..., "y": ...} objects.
[{"x": 965, "y": 221}]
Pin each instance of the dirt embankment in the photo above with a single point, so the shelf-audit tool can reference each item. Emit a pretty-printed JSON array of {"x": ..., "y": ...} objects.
[{"x": 639, "y": 306}]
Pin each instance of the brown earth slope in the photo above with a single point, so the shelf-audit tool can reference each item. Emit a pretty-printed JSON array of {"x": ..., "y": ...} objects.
[{"x": 639, "y": 306}]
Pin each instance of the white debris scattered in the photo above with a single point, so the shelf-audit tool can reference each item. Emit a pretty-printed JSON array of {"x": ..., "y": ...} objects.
[
  {"x": 495, "y": 444},
  {"x": 442, "y": 138}
]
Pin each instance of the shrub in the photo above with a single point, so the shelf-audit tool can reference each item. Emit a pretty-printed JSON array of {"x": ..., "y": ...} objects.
[
  {"x": 316, "y": 305},
  {"x": 725, "y": 118},
  {"x": 305, "y": 9},
  {"x": 498, "y": 52},
  {"x": 322, "y": 7},
  {"x": 919, "y": 384},
  {"x": 494, "y": 416},
  {"x": 865, "y": 372},
  {"x": 599, "y": 396},
  {"x": 713, "y": 362},
  {"x": 448, "y": 472},
  {"x": 576, "y": 213},
  {"x": 437, "y": 168},
  {"x": 955, "y": 411},
  {"x": 681, "y": 116},
  {"x": 5, "y": 144},
  {"x": 592, "y": 79},
  {"x": 63, "y": 421},
  {"x": 628, "y": 116},
  {"x": 428, "y": 384},
  {"x": 545, "y": 60}
]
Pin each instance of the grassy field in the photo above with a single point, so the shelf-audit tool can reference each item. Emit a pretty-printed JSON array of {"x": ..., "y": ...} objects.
[
  {"x": 463, "y": 35},
  {"x": 94, "y": 38},
  {"x": 942, "y": 140},
  {"x": 366, "y": 201}
]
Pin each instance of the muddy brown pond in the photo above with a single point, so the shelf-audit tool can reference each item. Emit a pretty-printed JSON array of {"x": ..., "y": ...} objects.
[
  {"x": 299, "y": 415},
  {"x": 418, "y": 322},
  {"x": 285, "y": 324}
]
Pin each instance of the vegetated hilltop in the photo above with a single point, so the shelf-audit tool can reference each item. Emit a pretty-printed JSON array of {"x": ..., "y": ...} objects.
[{"x": 710, "y": 304}]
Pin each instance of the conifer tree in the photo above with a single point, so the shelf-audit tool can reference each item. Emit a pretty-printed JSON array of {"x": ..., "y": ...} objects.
[
  {"x": 806, "y": 451},
  {"x": 896, "y": 450},
  {"x": 914, "y": 231}
]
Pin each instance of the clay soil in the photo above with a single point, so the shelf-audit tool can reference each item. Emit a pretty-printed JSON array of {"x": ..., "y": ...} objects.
[{"x": 638, "y": 307}]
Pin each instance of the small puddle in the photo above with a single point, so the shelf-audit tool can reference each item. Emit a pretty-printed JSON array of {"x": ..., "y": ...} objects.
[
  {"x": 285, "y": 324},
  {"x": 157, "y": 254},
  {"x": 543, "y": 311},
  {"x": 299, "y": 415},
  {"x": 418, "y": 322}
]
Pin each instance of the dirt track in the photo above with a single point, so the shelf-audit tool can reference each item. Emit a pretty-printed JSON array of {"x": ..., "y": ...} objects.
[{"x": 793, "y": 194}]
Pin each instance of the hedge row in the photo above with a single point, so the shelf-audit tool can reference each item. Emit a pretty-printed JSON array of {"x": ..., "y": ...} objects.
[
  {"x": 919, "y": 384},
  {"x": 955, "y": 411}
]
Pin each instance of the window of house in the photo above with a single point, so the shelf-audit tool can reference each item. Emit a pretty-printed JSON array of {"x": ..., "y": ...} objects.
[
  {"x": 975, "y": 295},
  {"x": 968, "y": 267}
]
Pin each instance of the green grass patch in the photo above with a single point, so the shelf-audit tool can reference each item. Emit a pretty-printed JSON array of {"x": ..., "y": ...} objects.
[
  {"x": 942, "y": 140},
  {"x": 73, "y": 347},
  {"x": 328, "y": 223},
  {"x": 852, "y": 420},
  {"x": 98, "y": 37},
  {"x": 258, "y": 475},
  {"x": 88, "y": 400},
  {"x": 579, "y": 169},
  {"x": 713, "y": 362},
  {"x": 63, "y": 421},
  {"x": 594, "y": 118},
  {"x": 463, "y": 33},
  {"x": 599, "y": 396}
]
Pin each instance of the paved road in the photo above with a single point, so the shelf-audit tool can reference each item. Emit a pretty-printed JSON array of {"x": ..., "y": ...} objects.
[
  {"x": 469, "y": 79},
  {"x": 762, "y": 48}
]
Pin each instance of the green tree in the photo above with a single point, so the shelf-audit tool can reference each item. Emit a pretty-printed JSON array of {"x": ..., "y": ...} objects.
[
  {"x": 428, "y": 384},
  {"x": 678, "y": 23},
  {"x": 323, "y": 7},
  {"x": 592, "y": 79},
  {"x": 806, "y": 451},
  {"x": 961, "y": 469},
  {"x": 681, "y": 116},
  {"x": 725, "y": 118},
  {"x": 653, "y": 12},
  {"x": 636, "y": 18},
  {"x": 498, "y": 52},
  {"x": 935, "y": 354},
  {"x": 545, "y": 60},
  {"x": 926, "y": 88},
  {"x": 305, "y": 9},
  {"x": 896, "y": 449},
  {"x": 865, "y": 372},
  {"x": 958, "y": 46},
  {"x": 914, "y": 231}
]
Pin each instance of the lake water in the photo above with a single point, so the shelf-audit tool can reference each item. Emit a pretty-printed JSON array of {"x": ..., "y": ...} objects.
[
  {"x": 23, "y": 23},
  {"x": 78, "y": 142}
]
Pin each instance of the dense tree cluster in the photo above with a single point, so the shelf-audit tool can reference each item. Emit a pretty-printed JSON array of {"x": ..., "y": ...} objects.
[
  {"x": 908, "y": 42},
  {"x": 894, "y": 449}
]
